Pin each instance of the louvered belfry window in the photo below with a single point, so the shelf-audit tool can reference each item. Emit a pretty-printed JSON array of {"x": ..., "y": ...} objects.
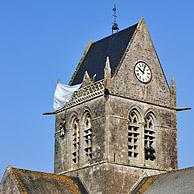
[
  {"x": 149, "y": 138},
  {"x": 133, "y": 135},
  {"x": 88, "y": 137},
  {"x": 76, "y": 141}
]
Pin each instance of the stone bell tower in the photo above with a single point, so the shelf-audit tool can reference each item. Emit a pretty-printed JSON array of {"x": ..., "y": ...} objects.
[{"x": 121, "y": 123}]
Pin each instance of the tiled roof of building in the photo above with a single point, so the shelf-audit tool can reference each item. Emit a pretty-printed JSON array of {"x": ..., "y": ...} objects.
[
  {"x": 95, "y": 56},
  {"x": 32, "y": 182},
  {"x": 174, "y": 182}
]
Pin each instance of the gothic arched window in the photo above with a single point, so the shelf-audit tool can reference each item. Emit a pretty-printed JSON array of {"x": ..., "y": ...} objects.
[
  {"x": 149, "y": 138},
  {"x": 88, "y": 136},
  {"x": 133, "y": 135},
  {"x": 76, "y": 140}
]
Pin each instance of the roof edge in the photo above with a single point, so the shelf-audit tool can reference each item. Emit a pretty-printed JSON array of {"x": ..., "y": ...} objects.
[
  {"x": 4, "y": 174},
  {"x": 14, "y": 170},
  {"x": 145, "y": 175},
  {"x": 81, "y": 60},
  {"x": 141, "y": 21},
  {"x": 116, "y": 33},
  {"x": 88, "y": 48},
  {"x": 18, "y": 183},
  {"x": 146, "y": 182},
  {"x": 128, "y": 46},
  {"x": 158, "y": 58}
]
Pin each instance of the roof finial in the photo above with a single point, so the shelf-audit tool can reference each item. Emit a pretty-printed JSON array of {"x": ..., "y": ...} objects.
[{"x": 115, "y": 27}]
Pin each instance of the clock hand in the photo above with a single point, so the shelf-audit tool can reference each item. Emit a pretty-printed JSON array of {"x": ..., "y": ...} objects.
[
  {"x": 144, "y": 69},
  {"x": 141, "y": 70}
]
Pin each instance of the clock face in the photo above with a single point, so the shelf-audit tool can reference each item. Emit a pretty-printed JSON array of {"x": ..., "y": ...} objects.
[{"x": 143, "y": 72}]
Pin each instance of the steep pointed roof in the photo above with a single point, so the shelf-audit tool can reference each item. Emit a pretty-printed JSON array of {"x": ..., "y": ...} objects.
[
  {"x": 113, "y": 46},
  {"x": 27, "y": 181}
]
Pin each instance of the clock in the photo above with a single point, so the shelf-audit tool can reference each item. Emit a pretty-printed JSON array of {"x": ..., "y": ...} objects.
[{"x": 143, "y": 72}]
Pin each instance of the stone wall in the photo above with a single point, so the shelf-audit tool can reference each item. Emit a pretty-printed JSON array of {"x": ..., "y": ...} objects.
[
  {"x": 63, "y": 145},
  {"x": 109, "y": 102},
  {"x": 117, "y": 113},
  {"x": 124, "y": 81},
  {"x": 110, "y": 178}
]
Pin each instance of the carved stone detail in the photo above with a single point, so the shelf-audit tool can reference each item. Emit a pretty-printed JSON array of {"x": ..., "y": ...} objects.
[
  {"x": 86, "y": 80},
  {"x": 86, "y": 93},
  {"x": 107, "y": 73}
]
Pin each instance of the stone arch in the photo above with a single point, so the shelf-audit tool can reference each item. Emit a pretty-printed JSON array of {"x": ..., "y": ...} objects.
[
  {"x": 87, "y": 134},
  {"x": 149, "y": 135},
  {"x": 85, "y": 111},
  {"x": 134, "y": 119},
  {"x": 137, "y": 110},
  {"x": 75, "y": 133},
  {"x": 153, "y": 114},
  {"x": 73, "y": 115}
]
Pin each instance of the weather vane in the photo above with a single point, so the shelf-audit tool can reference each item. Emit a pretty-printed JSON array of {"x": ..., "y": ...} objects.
[{"x": 115, "y": 27}]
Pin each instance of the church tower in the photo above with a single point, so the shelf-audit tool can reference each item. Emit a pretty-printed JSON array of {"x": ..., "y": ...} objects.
[{"x": 121, "y": 123}]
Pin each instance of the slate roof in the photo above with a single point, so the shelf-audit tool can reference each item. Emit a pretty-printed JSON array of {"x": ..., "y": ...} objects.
[
  {"x": 113, "y": 46},
  {"x": 32, "y": 182},
  {"x": 174, "y": 182}
]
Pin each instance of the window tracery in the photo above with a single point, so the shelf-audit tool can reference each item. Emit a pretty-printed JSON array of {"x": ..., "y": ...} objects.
[
  {"x": 149, "y": 138},
  {"x": 133, "y": 135},
  {"x": 88, "y": 136},
  {"x": 76, "y": 140}
]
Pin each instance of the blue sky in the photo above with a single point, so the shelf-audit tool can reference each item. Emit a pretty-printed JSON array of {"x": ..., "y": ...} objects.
[{"x": 42, "y": 41}]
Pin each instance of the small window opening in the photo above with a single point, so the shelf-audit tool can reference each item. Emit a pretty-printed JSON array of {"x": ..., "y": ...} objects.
[
  {"x": 149, "y": 138},
  {"x": 133, "y": 135},
  {"x": 76, "y": 141},
  {"x": 88, "y": 137}
]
